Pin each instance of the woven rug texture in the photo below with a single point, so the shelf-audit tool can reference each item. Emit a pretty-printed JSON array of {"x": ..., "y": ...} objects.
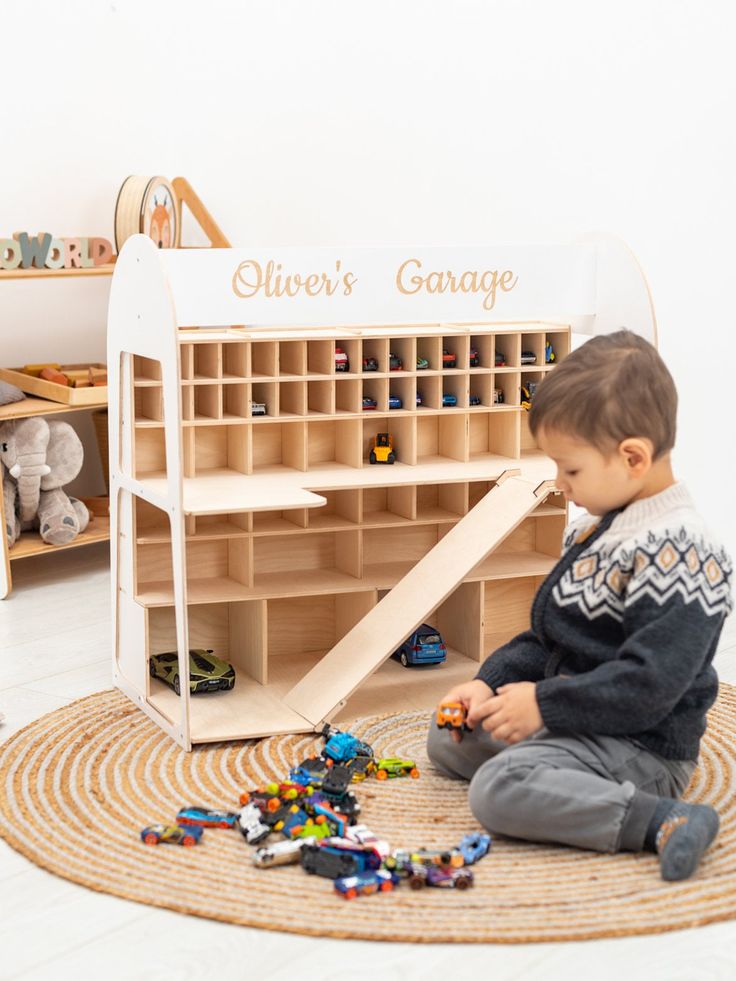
[{"x": 80, "y": 783}]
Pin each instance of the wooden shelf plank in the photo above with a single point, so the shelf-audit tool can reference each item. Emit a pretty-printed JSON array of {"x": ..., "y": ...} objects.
[
  {"x": 31, "y": 406},
  {"x": 30, "y": 543},
  {"x": 106, "y": 269}
]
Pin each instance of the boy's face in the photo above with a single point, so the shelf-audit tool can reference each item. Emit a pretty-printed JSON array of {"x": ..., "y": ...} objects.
[{"x": 590, "y": 479}]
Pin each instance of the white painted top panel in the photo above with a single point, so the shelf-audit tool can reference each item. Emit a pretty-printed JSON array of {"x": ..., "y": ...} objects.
[{"x": 405, "y": 285}]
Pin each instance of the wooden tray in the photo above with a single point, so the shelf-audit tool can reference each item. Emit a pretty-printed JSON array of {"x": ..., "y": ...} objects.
[{"x": 94, "y": 395}]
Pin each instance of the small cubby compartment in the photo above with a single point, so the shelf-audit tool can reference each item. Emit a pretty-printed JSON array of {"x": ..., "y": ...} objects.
[
  {"x": 150, "y": 451},
  {"x": 480, "y": 352},
  {"x": 506, "y": 605},
  {"x": 264, "y": 359},
  {"x": 375, "y": 390},
  {"x": 495, "y": 433},
  {"x": 320, "y": 357},
  {"x": 507, "y": 384},
  {"x": 292, "y": 358},
  {"x": 348, "y": 395},
  {"x": 560, "y": 344},
  {"x": 306, "y": 562},
  {"x": 388, "y": 555},
  {"x": 455, "y": 391},
  {"x": 278, "y": 445},
  {"x": 207, "y": 401},
  {"x": 236, "y": 401},
  {"x": 401, "y": 428},
  {"x": 441, "y": 502},
  {"x": 429, "y": 349},
  {"x": 264, "y": 401},
  {"x": 532, "y": 346},
  {"x": 455, "y": 352},
  {"x": 333, "y": 442},
  {"x": 402, "y": 354},
  {"x": 320, "y": 398},
  {"x": 428, "y": 392},
  {"x": 389, "y": 505},
  {"x": 214, "y": 568},
  {"x": 146, "y": 369},
  {"x": 348, "y": 354},
  {"x": 541, "y": 533},
  {"x": 342, "y": 510},
  {"x": 441, "y": 436},
  {"x": 477, "y": 490},
  {"x": 507, "y": 351},
  {"x": 207, "y": 361},
  {"x": 481, "y": 391},
  {"x": 402, "y": 393},
  {"x": 149, "y": 403},
  {"x": 301, "y": 626},
  {"x": 292, "y": 398},
  {"x": 234, "y": 631},
  {"x": 375, "y": 352},
  {"x": 279, "y": 522},
  {"x": 223, "y": 447},
  {"x": 235, "y": 360}
]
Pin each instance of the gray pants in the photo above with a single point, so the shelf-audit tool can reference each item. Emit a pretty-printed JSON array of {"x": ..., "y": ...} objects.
[{"x": 596, "y": 792}]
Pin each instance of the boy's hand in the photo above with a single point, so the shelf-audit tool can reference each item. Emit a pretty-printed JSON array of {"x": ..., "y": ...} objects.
[
  {"x": 511, "y": 714},
  {"x": 471, "y": 694}
]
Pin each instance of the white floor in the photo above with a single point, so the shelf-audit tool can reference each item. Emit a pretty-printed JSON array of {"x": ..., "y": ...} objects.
[{"x": 54, "y": 637}]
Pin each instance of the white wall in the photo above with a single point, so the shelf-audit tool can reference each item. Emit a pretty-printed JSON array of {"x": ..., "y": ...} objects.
[{"x": 468, "y": 121}]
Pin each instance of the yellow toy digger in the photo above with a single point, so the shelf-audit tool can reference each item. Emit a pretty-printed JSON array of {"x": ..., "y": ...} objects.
[{"x": 383, "y": 449}]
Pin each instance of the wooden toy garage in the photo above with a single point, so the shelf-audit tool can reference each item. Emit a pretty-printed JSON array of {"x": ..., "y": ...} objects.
[{"x": 247, "y": 388}]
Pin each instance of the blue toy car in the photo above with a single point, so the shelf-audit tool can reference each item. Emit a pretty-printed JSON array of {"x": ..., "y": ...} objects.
[
  {"x": 206, "y": 817},
  {"x": 419, "y": 398},
  {"x": 343, "y": 746},
  {"x": 448, "y": 399},
  {"x": 474, "y": 400},
  {"x": 394, "y": 402},
  {"x": 366, "y": 883},
  {"x": 171, "y": 834},
  {"x": 424, "y": 646},
  {"x": 474, "y": 846}
]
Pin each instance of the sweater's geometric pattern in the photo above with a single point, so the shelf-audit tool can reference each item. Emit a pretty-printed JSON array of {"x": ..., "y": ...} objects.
[{"x": 660, "y": 566}]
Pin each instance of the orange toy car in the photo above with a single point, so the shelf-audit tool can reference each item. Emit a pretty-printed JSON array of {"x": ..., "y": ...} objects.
[{"x": 451, "y": 715}]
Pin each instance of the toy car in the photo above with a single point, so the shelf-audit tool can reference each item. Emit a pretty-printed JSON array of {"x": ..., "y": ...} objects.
[
  {"x": 528, "y": 357},
  {"x": 335, "y": 857},
  {"x": 527, "y": 393},
  {"x": 205, "y": 817},
  {"x": 314, "y": 828},
  {"x": 424, "y": 646},
  {"x": 370, "y": 364},
  {"x": 474, "y": 358},
  {"x": 440, "y": 876},
  {"x": 419, "y": 398},
  {"x": 497, "y": 396},
  {"x": 474, "y": 846},
  {"x": 251, "y": 824},
  {"x": 451, "y": 715},
  {"x": 395, "y": 363},
  {"x": 347, "y": 803},
  {"x": 394, "y": 402},
  {"x": 434, "y": 856},
  {"x": 364, "y": 836},
  {"x": 390, "y": 766},
  {"x": 448, "y": 359},
  {"x": 341, "y": 360},
  {"x": 310, "y": 771},
  {"x": 448, "y": 399},
  {"x": 343, "y": 746},
  {"x": 369, "y": 403},
  {"x": 422, "y": 363},
  {"x": 383, "y": 449},
  {"x": 281, "y": 853},
  {"x": 337, "y": 781},
  {"x": 206, "y": 672},
  {"x": 474, "y": 400},
  {"x": 365, "y": 884},
  {"x": 549, "y": 354},
  {"x": 258, "y": 408},
  {"x": 171, "y": 834},
  {"x": 500, "y": 359},
  {"x": 360, "y": 768}
]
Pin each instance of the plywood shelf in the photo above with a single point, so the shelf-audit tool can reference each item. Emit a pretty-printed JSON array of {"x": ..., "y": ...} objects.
[
  {"x": 30, "y": 543},
  {"x": 106, "y": 269}
]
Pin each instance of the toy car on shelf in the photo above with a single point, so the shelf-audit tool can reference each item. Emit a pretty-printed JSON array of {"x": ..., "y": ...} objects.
[
  {"x": 383, "y": 449},
  {"x": 424, "y": 646},
  {"x": 498, "y": 396},
  {"x": 343, "y": 746},
  {"x": 527, "y": 393},
  {"x": 419, "y": 398},
  {"x": 280, "y": 853},
  {"x": 474, "y": 846},
  {"x": 391, "y": 766},
  {"x": 369, "y": 403},
  {"x": 171, "y": 834},
  {"x": 341, "y": 360},
  {"x": 528, "y": 357},
  {"x": 394, "y": 402},
  {"x": 549, "y": 354},
  {"x": 251, "y": 824},
  {"x": 206, "y": 817},
  {"x": 500, "y": 359},
  {"x": 206, "y": 671},
  {"x": 474, "y": 358},
  {"x": 451, "y": 715},
  {"x": 448, "y": 399},
  {"x": 395, "y": 363},
  {"x": 258, "y": 408},
  {"x": 449, "y": 360},
  {"x": 366, "y": 884},
  {"x": 422, "y": 363},
  {"x": 474, "y": 400},
  {"x": 370, "y": 364}
]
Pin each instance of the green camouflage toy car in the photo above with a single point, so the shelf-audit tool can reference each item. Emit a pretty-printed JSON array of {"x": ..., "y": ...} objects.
[
  {"x": 392, "y": 767},
  {"x": 206, "y": 672}
]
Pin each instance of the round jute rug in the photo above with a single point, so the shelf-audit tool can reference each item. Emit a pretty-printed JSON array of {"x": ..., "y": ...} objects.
[{"x": 80, "y": 783}]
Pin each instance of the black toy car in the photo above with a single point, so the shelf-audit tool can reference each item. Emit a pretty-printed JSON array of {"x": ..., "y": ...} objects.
[
  {"x": 370, "y": 364},
  {"x": 395, "y": 363},
  {"x": 337, "y": 781}
]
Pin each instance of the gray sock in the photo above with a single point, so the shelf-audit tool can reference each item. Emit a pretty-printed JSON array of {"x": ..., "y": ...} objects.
[{"x": 682, "y": 836}]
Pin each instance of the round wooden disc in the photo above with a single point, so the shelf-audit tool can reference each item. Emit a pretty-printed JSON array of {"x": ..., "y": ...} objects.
[{"x": 147, "y": 205}]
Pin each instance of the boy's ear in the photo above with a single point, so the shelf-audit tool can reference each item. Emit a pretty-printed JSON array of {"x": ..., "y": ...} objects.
[{"x": 637, "y": 455}]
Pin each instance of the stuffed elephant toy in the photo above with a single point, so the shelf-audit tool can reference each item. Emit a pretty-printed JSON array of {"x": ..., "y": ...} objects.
[{"x": 39, "y": 457}]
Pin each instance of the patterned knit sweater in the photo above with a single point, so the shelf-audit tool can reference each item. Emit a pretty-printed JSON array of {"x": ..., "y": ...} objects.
[{"x": 625, "y": 627}]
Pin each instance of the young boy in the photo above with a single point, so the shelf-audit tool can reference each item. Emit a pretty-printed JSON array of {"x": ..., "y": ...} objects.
[{"x": 586, "y": 728}]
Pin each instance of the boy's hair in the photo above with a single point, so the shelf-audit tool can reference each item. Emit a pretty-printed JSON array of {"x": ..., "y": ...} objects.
[{"x": 612, "y": 387}]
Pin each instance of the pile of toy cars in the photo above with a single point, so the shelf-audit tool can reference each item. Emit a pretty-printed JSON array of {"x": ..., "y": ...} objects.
[{"x": 315, "y": 813}]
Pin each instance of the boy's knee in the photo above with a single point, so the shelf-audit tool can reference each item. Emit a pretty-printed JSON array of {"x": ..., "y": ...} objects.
[{"x": 496, "y": 795}]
